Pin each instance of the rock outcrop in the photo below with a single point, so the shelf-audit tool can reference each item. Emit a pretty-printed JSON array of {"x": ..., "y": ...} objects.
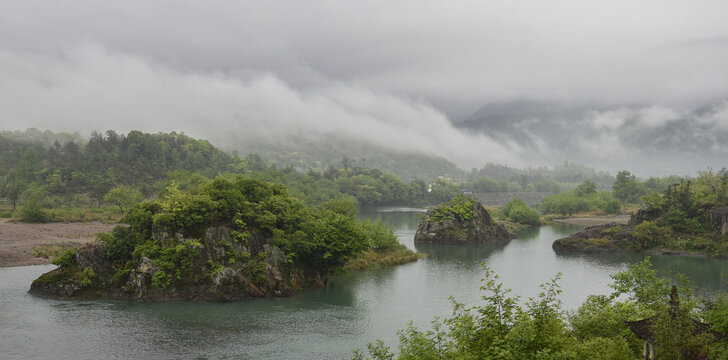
[
  {"x": 208, "y": 276},
  {"x": 593, "y": 239},
  {"x": 475, "y": 227}
]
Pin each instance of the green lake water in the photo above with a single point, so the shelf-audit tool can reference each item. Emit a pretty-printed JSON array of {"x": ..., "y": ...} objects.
[{"x": 325, "y": 323}]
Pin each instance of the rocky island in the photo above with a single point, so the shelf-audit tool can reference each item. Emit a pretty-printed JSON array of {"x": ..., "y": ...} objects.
[
  {"x": 690, "y": 217},
  {"x": 231, "y": 240},
  {"x": 460, "y": 221}
]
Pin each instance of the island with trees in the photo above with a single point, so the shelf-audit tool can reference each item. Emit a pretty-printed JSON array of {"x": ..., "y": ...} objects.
[
  {"x": 229, "y": 240},
  {"x": 459, "y": 221},
  {"x": 689, "y": 217}
]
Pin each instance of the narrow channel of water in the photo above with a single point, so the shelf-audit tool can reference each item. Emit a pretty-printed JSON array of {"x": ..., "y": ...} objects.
[{"x": 318, "y": 323}]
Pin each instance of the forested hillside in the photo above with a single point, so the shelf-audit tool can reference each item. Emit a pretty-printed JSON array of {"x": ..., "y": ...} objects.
[
  {"x": 99, "y": 164},
  {"x": 61, "y": 170}
]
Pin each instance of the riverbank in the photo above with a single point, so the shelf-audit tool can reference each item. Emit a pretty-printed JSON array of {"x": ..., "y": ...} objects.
[
  {"x": 18, "y": 240},
  {"x": 597, "y": 220}
]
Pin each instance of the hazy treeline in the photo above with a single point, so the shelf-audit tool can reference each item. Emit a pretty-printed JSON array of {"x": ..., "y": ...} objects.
[
  {"x": 56, "y": 169},
  {"x": 42, "y": 166},
  {"x": 60, "y": 169}
]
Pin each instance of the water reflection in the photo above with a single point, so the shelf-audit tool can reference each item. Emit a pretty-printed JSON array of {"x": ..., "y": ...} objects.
[
  {"x": 399, "y": 218},
  {"x": 470, "y": 255},
  {"x": 705, "y": 273}
]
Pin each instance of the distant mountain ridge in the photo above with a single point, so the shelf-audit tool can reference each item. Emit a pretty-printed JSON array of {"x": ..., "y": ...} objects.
[{"x": 655, "y": 139}]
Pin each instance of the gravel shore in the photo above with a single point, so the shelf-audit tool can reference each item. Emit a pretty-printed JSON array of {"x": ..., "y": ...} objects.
[
  {"x": 599, "y": 220},
  {"x": 17, "y": 239}
]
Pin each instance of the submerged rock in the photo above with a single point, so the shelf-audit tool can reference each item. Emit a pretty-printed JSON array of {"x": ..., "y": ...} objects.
[{"x": 460, "y": 221}]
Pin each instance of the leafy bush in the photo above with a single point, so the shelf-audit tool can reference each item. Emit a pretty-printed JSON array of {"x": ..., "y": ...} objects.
[
  {"x": 33, "y": 212},
  {"x": 379, "y": 237},
  {"x": 120, "y": 243},
  {"x": 611, "y": 206},
  {"x": 501, "y": 328},
  {"x": 66, "y": 258},
  {"x": 320, "y": 239},
  {"x": 175, "y": 262},
  {"x": 518, "y": 211},
  {"x": 460, "y": 207},
  {"x": 647, "y": 235},
  {"x": 580, "y": 201},
  {"x": 681, "y": 222},
  {"x": 124, "y": 197}
]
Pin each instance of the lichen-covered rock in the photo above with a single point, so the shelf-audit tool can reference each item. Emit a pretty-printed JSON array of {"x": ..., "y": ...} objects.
[
  {"x": 460, "y": 221},
  {"x": 261, "y": 272}
]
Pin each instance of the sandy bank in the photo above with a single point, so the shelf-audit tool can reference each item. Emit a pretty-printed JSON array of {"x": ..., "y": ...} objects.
[
  {"x": 17, "y": 240},
  {"x": 621, "y": 219}
]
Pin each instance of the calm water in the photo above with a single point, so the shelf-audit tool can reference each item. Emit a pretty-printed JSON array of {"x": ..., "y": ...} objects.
[{"x": 316, "y": 324}]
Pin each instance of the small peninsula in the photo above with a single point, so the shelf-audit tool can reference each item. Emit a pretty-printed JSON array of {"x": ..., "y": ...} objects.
[
  {"x": 690, "y": 217},
  {"x": 462, "y": 220},
  {"x": 231, "y": 240}
]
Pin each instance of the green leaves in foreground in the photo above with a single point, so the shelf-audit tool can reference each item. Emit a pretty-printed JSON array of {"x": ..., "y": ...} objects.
[{"x": 500, "y": 328}]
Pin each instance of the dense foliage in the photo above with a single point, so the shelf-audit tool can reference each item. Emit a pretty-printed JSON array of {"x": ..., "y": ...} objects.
[
  {"x": 66, "y": 171},
  {"x": 585, "y": 198},
  {"x": 317, "y": 239},
  {"x": 626, "y": 188},
  {"x": 519, "y": 212},
  {"x": 368, "y": 186},
  {"x": 542, "y": 178},
  {"x": 114, "y": 169},
  {"x": 459, "y": 208},
  {"x": 682, "y": 218},
  {"x": 505, "y": 328}
]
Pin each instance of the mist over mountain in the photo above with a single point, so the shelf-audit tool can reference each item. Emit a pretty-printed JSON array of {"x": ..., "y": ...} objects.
[
  {"x": 611, "y": 85},
  {"x": 649, "y": 140}
]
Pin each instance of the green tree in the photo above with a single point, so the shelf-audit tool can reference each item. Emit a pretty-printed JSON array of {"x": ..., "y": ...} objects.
[
  {"x": 33, "y": 208},
  {"x": 124, "y": 197},
  {"x": 487, "y": 184},
  {"x": 588, "y": 187},
  {"x": 13, "y": 186},
  {"x": 30, "y": 164},
  {"x": 626, "y": 188},
  {"x": 518, "y": 211}
]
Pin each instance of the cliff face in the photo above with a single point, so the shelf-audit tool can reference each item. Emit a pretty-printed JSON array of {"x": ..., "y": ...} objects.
[
  {"x": 477, "y": 226},
  {"x": 200, "y": 276}
]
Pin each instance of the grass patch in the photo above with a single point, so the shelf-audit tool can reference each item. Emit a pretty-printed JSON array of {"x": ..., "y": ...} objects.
[
  {"x": 514, "y": 227},
  {"x": 47, "y": 251},
  {"x": 81, "y": 214},
  {"x": 72, "y": 214},
  {"x": 600, "y": 242},
  {"x": 372, "y": 259}
]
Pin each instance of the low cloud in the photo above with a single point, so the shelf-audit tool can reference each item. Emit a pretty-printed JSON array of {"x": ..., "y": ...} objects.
[{"x": 92, "y": 88}]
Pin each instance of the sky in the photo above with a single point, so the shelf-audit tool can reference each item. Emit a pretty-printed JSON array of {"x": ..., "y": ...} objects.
[{"x": 397, "y": 74}]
